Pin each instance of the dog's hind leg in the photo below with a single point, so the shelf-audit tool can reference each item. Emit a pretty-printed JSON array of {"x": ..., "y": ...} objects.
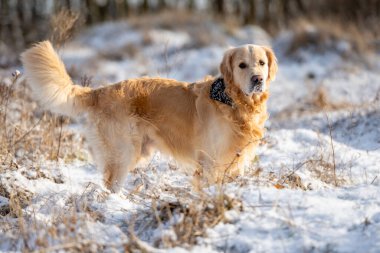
[
  {"x": 120, "y": 153},
  {"x": 118, "y": 164}
]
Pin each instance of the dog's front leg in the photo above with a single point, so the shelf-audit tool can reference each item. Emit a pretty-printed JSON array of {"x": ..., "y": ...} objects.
[{"x": 204, "y": 175}]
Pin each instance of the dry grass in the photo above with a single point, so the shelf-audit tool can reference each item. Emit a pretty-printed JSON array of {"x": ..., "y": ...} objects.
[
  {"x": 68, "y": 228},
  {"x": 200, "y": 27},
  {"x": 27, "y": 138},
  {"x": 164, "y": 20},
  {"x": 324, "y": 164},
  {"x": 64, "y": 25},
  {"x": 183, "y": 221},
  {"x": 66, "y": 232},
  {"x": 29, "y": 135},
  {"x": 317, "y": 101},
  {"x": 322, "y": 35},
  {"x": 324, "y": 169}
]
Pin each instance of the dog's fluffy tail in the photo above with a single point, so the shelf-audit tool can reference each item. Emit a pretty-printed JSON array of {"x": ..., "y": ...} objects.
[{"x": 50, "y": 83}]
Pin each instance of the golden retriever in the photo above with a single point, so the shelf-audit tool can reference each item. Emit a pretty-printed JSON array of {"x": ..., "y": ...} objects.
[{"x": 213, "y": 125}]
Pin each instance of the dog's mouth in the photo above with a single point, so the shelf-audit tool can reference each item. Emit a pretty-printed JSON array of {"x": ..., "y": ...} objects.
[
  {"x": 258, "y": 89},
  {"x": 255, "y": 89}
]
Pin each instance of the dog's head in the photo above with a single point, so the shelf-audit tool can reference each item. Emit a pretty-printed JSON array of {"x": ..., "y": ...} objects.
[{"x": 249, "y": 67}]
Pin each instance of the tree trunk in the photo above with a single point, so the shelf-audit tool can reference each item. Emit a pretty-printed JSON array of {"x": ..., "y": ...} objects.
[
  {"x": 219, "y": 6},
  {"x": 250, "y": 14}
]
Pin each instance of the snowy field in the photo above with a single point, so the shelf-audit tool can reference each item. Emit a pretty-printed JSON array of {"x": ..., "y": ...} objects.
[{"x": 313, "y": 187}]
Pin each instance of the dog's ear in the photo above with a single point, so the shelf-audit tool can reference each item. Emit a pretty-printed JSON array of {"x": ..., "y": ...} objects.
[
  {"x": 272, "y": 64},
  {"x": 226, "y": 68}
]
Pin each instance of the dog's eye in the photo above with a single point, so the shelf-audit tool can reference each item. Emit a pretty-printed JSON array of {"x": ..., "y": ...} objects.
[
  {"x": 242, "y": 65},
  {"x": 261, "y": 62}
]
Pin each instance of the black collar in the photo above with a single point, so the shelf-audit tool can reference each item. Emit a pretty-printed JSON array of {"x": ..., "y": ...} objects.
[{"x": 217, "y": 92}]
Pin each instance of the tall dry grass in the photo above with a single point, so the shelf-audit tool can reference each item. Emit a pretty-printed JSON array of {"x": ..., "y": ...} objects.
[{"x": 325, "y": 35}]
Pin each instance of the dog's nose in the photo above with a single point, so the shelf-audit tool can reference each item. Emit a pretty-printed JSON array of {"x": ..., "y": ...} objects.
[{"x": 258, "y": 79}]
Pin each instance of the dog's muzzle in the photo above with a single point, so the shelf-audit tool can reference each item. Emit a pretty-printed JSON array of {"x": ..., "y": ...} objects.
[{"x": 257, "y": 84}]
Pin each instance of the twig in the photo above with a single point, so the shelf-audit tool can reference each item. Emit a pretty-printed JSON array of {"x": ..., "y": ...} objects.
[
  {"x": 166, "y": 58},
  {"x": 332, "y": 148},
  {"x": 60, "y": 136},
  {"x": 28, "y": 132},
  {"x": 143, "y": 246},
  {"x": 77, "y": 245},
  {"x": 296, "y": 169}
]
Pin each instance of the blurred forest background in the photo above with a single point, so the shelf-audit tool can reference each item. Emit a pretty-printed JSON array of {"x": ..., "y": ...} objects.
[{"x": 23, "y": 22}]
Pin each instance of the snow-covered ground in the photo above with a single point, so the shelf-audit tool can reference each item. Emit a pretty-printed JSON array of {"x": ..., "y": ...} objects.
[{"x": 314, "y": 187}]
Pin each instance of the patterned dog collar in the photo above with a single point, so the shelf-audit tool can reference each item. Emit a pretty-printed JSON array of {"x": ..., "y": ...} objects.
[{"x": 217, "y": 92}]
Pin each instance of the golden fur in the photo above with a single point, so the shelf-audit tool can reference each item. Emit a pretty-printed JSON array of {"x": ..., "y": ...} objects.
[{"x": 130, "y": 119}]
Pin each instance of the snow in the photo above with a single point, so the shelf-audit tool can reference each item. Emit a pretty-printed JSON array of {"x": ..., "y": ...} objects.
[{"x": 288, "y": 201}]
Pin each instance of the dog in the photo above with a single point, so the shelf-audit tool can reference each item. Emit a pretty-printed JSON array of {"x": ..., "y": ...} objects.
[{"x": 213, "y": 126}]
